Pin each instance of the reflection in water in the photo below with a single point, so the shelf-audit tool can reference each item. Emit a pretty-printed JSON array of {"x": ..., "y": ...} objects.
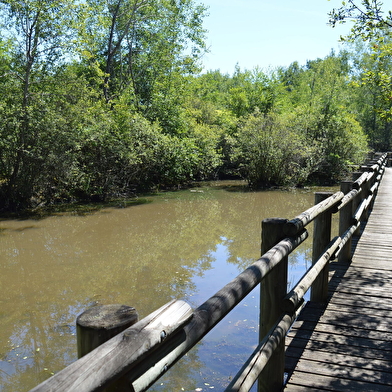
[{"x": 181, "y": 245}]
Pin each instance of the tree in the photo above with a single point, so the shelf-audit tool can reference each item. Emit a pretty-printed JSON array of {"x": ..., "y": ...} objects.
[
  {"x": 372, "y": 68},
  {"x": 36, "y": 32},
  {"x": 105, "y": 29},
  {"x": 318, "y": 100},
  {"x": 373, "y": 25},
  {"x": 142, "y": 46}
]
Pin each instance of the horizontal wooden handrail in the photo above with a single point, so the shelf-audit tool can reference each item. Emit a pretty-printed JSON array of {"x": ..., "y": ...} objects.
[
  {"x": 256, "y": 363},
  {"x": 346, "y": 236},
  {"x": 297, "y": 224},
  {"x": 108, "y": 362},
  {"x": 295, "y": 296},
  {"x": 361, "y": 208},
  {"x": 348, "y": 197},
  {"x": 359, "y": 181},
  {"x": 374, "y": 188},
  {"x": 207, "y": 315}
]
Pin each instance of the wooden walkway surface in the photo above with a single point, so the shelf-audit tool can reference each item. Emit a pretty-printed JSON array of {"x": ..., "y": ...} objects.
[{"x": 347, "y": 346}]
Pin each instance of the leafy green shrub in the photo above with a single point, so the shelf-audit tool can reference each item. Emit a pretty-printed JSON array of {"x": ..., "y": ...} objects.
[
  {"x": 336, "y": 136},
  {"x": 269, "y": 153}
]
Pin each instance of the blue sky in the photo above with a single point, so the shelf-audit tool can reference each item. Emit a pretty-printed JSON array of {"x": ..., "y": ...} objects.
[{"x": 268, "y": 33}]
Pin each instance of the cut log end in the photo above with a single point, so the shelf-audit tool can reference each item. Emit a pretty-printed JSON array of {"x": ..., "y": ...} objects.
[
  {"x": 100, "y": 323},
  {"x": 107, "y": 317}
]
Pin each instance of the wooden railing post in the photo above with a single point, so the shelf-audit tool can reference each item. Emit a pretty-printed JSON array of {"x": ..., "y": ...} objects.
[
  {"x": 345, "y": 221},
  {"x": 321, "y": 238},
  {"x": 100, "y": 323},
  {"x": 97, "y": 325},
  {"x": 272, "y": 292}
]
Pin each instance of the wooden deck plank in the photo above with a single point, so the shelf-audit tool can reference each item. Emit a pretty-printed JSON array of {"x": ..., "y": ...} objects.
[
  {"x": 355, "y": 341},
  {"x": 371, "y": 303},
  {"x": 339, "y": 359},
  {"x": 348, "y": 345},
  {"x": 301, "y": 346},
  {"x": 348, "y": 372},
  {"x": 366, "y": 320},
  {"x": 382, "y": 338},
  {"x": 332, "y": 383}
]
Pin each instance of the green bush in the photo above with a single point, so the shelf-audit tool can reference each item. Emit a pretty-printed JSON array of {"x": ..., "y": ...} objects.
[
  {"x": 336, "y": 137},
  {"x": 268, "y": 152}
]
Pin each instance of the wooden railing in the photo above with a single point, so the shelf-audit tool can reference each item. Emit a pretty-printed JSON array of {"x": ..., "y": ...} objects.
[{"x": 136, "y": 357}]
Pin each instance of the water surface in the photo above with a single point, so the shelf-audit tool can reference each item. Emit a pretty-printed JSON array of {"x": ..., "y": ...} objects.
[{"x": 185, "y": 245}]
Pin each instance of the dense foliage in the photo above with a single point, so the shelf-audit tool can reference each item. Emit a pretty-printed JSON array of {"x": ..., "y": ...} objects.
[{"x": 103, "y": 98}]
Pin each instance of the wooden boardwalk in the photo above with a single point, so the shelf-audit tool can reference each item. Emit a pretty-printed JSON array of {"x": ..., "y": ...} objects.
[{"x": 347, "y": 346}]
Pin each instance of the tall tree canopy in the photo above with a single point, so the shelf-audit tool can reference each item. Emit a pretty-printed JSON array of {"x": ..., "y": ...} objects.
[
  {"x": 372, "y": 24},
  {"x": 34, "y": 39}
]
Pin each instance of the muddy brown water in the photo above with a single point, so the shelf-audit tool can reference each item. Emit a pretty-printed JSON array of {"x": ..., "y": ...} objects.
[{"x": 185, "y": 245}]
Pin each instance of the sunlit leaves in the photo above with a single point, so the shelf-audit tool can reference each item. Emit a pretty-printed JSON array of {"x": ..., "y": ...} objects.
[{"x": 368, "y": 17}]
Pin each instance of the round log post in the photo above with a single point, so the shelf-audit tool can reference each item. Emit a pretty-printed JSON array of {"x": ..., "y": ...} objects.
[
  {"x": 272, "y": 292},
  {"x": 100, "y": 323},
  {"x": 321, "y": 239},
  {"x": 345, "y": 221}
]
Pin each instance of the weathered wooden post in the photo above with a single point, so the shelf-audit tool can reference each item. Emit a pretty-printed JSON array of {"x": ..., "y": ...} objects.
[
  {"x": 321, "y": 238},
  {"x": 99, "y": 324},
  {"x": 345, "y": 221},
  {"x": 272, "y": 292}
]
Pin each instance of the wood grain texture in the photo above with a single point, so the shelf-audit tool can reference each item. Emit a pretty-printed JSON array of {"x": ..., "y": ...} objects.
[
  {"x": 112, "y": 359},
  {"x": 100, "y": 323}
]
